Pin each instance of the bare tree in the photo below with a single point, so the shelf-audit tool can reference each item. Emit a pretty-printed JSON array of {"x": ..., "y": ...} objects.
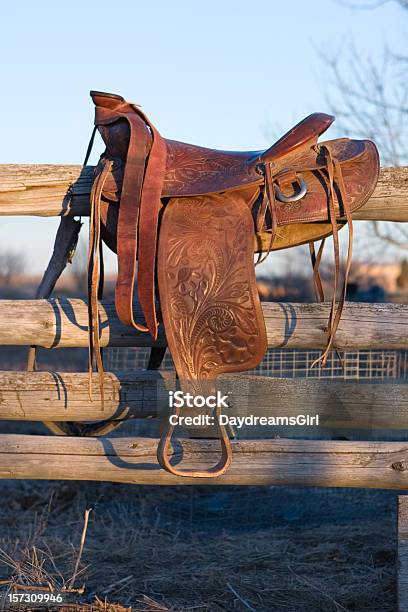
[
  {"x": 12, "y": 265},
  {"x": 370, "y": 4},
  {"x": 370, "y": 99}
]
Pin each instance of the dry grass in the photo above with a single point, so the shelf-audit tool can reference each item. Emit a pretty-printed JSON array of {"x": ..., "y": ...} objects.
[{"x": 142, "y": 554}]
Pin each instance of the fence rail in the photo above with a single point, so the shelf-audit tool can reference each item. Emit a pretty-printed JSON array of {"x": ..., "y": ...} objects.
[
  {"x": 257, "y": 462},
  {"x": 64, "y": 396},
  {"x": 62, "y": 323},
  {"x": 45, "y": 190}
]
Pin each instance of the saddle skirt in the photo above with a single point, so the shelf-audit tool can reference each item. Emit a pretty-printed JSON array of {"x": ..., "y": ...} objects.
[{"x": 192, "y": 217}]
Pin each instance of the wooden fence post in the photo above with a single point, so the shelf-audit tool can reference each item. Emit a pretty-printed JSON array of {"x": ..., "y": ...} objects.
[{"x": 402, "y": 565}]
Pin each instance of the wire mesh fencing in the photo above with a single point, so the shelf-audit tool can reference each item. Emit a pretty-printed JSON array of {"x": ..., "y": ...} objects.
[{"x": 292, "y": 363}]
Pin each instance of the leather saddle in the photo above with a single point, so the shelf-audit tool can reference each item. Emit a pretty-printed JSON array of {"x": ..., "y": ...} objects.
[{"x": 186, "y": 220}]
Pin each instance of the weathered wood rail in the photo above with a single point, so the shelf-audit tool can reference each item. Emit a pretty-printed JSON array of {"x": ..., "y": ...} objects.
[
  {"x": 53, "y": 190},
  {"x": 39, "y": 396},
  {"x": 62, "y": 323},
  {"x": 256, "y": 462}
]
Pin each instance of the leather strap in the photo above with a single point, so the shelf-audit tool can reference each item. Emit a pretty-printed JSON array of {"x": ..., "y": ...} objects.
[
  {"x": 128, "y": 222},
  {"x": 156, "y": 357},
  {"x": 139, "y": 209},
  {"x": 94, "y": 276},
  {"x": 150, "y": 206},
  {"x": 137, "y": 227},
  {"x": 317, "y": 281},
  {"x": 334, "y": 172},
  {"x": 268, "y": 203}
]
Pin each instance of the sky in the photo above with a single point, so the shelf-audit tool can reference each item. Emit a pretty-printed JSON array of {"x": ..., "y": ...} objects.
[{"x": 225, "y": 74}]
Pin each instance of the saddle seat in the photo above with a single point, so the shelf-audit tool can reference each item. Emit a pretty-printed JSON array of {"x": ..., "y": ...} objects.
[{"x": 193, "y": 170}]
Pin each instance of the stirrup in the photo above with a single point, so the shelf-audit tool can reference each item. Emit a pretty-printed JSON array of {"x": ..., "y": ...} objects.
[{"x": 212, "y": 472}]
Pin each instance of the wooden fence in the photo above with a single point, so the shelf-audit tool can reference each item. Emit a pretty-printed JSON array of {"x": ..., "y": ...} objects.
[
  {"x": 50, "y": 190},
  {"x": 46, "y": 190}
]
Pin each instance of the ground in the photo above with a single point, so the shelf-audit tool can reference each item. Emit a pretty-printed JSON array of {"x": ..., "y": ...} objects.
[{"x": 208, "y": 549}]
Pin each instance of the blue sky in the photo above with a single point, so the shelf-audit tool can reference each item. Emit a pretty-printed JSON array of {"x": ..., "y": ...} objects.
[{"x": 221, "y": 73}]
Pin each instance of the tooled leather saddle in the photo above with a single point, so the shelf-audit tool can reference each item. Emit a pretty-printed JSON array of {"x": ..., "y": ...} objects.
[{"x": 187, "y": 220}]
